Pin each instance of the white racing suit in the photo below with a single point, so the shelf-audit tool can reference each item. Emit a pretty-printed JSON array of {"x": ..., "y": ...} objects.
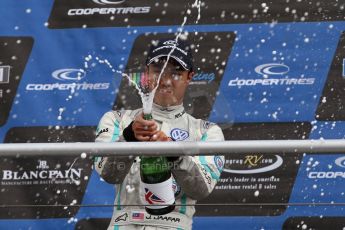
[{"x": 194, "y": 177}]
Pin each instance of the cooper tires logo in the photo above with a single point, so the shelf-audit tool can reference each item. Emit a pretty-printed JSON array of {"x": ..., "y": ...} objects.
[
  {"x": 106, "y": 2},
  {"x": 272, "y": 69},
  {"x": 69, "y": 74},
  {"x": 268, "y": 168},
  {"x": 340, "y": 162},
  {"x": 327, "y": 174},
  {"x": 73, "y": 75}
]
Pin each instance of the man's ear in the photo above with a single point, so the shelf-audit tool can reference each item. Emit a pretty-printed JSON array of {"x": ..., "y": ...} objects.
[{"x": 190, "y": 76}]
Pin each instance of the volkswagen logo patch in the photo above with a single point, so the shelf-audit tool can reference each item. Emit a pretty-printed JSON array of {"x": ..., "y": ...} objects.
[{"x": 179, "y": 134}]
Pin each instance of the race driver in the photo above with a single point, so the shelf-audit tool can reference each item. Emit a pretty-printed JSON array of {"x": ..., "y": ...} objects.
[{"x": 194, "y": 176}]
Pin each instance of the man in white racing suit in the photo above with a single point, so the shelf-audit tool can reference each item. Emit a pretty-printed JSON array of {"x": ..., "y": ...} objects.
[{"x": 194, "y": 177}]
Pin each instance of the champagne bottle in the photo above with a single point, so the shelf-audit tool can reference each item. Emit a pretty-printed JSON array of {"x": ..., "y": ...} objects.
[
  {"x": 148, "y": 116},
  {"x": 157, "y": 180}
]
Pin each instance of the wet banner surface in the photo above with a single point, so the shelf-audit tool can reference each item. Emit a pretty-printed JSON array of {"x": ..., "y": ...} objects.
[{"x": 263, "y": 71}]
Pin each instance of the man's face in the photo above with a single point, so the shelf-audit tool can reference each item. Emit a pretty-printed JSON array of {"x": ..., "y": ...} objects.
[{"x": 173, "y": 83}]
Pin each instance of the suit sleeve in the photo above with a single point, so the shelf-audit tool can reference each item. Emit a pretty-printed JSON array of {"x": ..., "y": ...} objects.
[
  {"x": 112, "y": 169},
  {"x": 198, "y": 175}
]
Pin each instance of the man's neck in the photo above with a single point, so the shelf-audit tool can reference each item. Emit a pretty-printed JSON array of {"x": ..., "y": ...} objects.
[
  {"x": 167, "y": 113},
  {"x": 168, "y": 108}
]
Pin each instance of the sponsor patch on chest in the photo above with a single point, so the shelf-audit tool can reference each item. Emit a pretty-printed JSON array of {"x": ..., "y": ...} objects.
[{"x": 179, "y": 134}]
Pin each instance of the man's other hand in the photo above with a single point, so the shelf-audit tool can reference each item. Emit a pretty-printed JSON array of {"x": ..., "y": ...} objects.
[{"x": 160, "y": 136}]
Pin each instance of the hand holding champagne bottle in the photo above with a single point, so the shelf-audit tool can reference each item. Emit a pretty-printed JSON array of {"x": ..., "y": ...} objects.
[{"x": 155, "y": 171}]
